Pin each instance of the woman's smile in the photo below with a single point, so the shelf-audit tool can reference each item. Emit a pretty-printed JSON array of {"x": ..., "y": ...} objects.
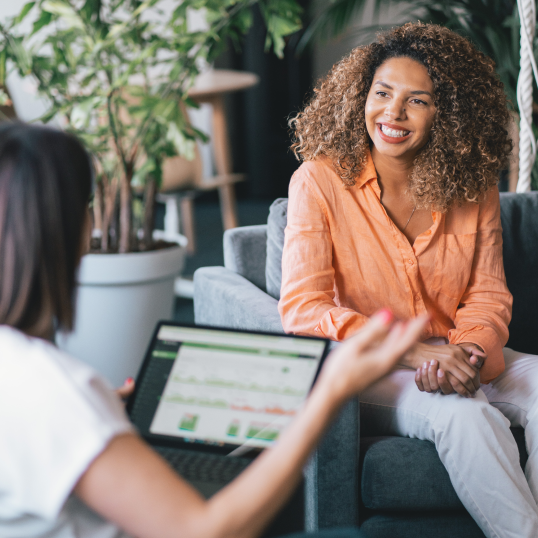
[
  {"x": 393, "y": 134},
  {"x": 400, "y": 110}
]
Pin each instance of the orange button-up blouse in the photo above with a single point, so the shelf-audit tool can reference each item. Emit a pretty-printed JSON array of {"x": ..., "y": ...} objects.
[{"x": 344, "y": 259}]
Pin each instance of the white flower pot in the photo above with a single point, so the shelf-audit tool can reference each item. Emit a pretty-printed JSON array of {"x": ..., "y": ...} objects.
[{"x": 120, "y": 299}]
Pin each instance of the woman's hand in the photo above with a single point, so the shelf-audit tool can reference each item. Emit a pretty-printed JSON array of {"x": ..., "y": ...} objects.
[
  {"x": 449, "y": 368},
  {"x": 126, "y": 389},
  {"x": 369, "y": 355},
  {"x": 477, "y": 354}
]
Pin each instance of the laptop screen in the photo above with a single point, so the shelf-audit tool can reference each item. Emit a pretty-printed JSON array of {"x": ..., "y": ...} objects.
[{"x": 222, "y": 387}]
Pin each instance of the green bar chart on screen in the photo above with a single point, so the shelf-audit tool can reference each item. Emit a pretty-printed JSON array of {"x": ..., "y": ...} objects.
[{"x": 188, "y": 422}]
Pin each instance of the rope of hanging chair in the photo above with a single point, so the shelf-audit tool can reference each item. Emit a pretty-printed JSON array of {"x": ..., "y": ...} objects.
[{"x": 527, "y": 142}]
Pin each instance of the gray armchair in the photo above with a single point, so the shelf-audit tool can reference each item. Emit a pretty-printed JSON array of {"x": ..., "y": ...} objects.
[{"x": 390, "y": 486}]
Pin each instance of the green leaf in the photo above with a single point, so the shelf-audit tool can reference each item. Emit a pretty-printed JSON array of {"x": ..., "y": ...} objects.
[
  {"x": 282, "y": 18},
  {"x": 24, "y": 11},
  {"x": 82, "y": 112},
  {"x": 3, "y": 58},
  {"x": 185, "y": 146},
  {"x": 65, "y": 12},
  {"x": 148, "y": 168},
  {"x": 43, "y": 20}
]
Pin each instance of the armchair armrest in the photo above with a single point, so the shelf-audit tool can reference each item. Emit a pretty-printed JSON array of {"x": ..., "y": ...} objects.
[
  {"x": 331, "y": 476},
  {"x": 224, "y": 298}
]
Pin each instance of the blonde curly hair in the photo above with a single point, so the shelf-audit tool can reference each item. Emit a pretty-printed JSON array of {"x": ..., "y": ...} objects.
[{"x": 469, "y": 142}]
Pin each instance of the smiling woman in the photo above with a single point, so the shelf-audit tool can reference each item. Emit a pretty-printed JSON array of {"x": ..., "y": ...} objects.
[
  {"x": 469, "y": 139},
  {"x": 396, "y": 205}
]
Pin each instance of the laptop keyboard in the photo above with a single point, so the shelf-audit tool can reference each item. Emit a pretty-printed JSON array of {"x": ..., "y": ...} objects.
[{"x": 202, "y": 466}]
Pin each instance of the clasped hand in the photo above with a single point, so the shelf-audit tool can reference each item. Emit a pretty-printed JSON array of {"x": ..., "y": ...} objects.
[{"x": 448, "y": 368}]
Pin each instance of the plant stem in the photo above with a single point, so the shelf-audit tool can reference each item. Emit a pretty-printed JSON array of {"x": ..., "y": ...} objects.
[
  {"x": 149, "y": 212},
  {"x": 125, "y": 211},
  {"x": 110, "y": 195}
]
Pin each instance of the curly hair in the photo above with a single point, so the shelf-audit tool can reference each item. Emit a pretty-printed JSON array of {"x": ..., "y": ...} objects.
[{"x": 469, "y": 141}]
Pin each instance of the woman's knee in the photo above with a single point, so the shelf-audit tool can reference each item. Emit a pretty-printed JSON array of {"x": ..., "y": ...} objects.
[{"x": 468, "y": 416}]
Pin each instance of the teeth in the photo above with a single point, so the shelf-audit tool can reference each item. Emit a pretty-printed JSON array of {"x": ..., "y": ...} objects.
[{"x": 391, "y": 132}]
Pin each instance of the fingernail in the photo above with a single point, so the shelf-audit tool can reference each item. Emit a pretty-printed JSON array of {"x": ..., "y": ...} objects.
[
  {"x": 440, "y": 373},
  {"x": 129, "y": 380},
  {"x": 432, "y": 362},
  {"x": 385, "y": 315},
  {"x": 425, "y": 366}
]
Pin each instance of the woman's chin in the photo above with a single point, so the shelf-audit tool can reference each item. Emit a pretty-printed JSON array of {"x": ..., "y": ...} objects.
[{"x": 396, "y": 151}]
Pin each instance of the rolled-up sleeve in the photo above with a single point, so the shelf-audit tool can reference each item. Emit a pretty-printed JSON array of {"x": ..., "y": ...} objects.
[
  {"x": 486, "y": 306},
  {"x": 306, "y": 303}
]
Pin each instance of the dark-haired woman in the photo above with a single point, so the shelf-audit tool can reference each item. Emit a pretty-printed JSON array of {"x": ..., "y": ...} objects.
[
  {"x": 70, "y": 463},
  {"x": 396, "y": 203}
]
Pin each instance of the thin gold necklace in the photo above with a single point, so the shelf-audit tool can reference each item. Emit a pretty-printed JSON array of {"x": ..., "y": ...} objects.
[{"x": 409, "y": 219}]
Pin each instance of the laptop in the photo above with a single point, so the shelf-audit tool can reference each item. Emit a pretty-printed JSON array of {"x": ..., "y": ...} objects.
[{"x": 209, "y": 400}]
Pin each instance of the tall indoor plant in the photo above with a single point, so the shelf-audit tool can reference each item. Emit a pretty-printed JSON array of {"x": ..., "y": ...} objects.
[{"x": 116, "y": 73}]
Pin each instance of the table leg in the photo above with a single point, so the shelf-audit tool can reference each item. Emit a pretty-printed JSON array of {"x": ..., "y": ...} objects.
[
  {"x": 186, "y": 205},
  {"x": 223, "y": 163}
]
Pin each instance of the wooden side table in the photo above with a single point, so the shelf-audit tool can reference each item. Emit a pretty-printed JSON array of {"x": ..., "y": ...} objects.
[
  {"x": 183, "y": 180},
  {"x": 210, "y": 87}
]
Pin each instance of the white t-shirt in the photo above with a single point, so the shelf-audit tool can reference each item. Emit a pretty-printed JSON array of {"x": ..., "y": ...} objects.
[{"x": 56, "y": 416}]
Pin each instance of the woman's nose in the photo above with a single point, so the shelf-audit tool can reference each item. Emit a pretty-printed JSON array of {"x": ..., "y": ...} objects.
[{"x": 395, "y": 109}]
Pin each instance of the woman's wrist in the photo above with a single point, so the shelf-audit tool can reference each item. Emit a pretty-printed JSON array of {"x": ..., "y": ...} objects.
[
  {"x": 414, "y": 358},
  {"x": 332, "y": 391}
]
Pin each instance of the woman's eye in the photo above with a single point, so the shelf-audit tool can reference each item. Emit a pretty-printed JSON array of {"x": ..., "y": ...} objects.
[
  {"x": 419, "y": 102},
  {"x": 382, "y": 94}
]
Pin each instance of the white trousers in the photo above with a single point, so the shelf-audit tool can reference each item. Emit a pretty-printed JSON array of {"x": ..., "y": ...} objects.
[{"x": 473, "y": 439}]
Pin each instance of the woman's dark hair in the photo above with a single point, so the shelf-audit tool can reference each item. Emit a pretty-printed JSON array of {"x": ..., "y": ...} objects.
[
  {"x": 469, "y": 141},
  {"x": 45, "y": 184}
]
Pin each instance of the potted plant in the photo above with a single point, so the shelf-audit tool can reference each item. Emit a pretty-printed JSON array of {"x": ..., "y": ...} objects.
[{"x": 117, "y": 74}]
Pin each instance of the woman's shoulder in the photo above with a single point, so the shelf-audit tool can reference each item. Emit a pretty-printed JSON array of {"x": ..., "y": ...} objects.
[
  {"x": 318, "y": 177},
  {"x": 28, "y": 355},
  {"x": 319, "y": 171},
  {"x": 32, "y": 368}
]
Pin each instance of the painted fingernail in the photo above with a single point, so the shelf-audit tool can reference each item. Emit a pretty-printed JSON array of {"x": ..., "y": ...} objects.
[
  {"x": 385, "y": 315},
  {"x": 129, "y": 380}
]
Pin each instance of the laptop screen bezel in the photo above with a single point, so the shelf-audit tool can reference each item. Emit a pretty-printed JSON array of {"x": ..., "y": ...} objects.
[{"x": 178, "y": 442}]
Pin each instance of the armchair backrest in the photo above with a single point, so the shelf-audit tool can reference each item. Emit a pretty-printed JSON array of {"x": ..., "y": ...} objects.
[
  {"x": 519, "y": 216},
  {"x": 245, "y": 252},
  {"x": 276, "y": 224}
]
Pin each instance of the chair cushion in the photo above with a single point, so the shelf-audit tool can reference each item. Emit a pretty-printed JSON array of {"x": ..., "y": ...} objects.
[
  {"x": 519, "y": 215},
  {"x": 276, "y": 224},
  {"x": 440, "y": 525},
  {"x": 399, "y": 473}
]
